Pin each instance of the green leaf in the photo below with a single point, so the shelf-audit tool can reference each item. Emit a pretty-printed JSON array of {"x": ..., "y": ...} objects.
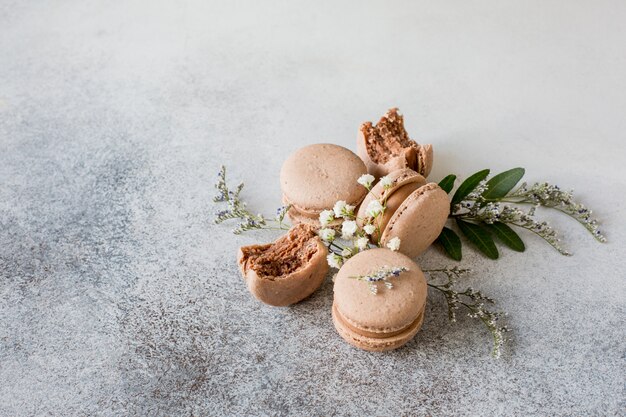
[
  {"x": 468, "y": 185},
  {"x": 507, "y": 235},
  {"x": 500, "y": 185},
  {"x": 447, "y": 183},
  {"x": 479, "y": 237},
  {"x": 451, "y": 243}
]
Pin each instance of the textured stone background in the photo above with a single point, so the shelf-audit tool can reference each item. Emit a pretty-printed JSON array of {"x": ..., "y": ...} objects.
[{"x": 118, "y": 296}]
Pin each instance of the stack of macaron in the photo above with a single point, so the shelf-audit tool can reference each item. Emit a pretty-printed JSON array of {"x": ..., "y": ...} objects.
[{"x": 371, "y": 315}]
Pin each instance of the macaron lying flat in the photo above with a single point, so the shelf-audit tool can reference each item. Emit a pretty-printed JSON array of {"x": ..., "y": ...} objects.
[
  {"x": 286, "y": 271},
  {"x": 315, "y": 177},
  {"x": 416, "y": 211},
  {"x": 387, "y": 319},
  {"x": 386, "y": 147}
]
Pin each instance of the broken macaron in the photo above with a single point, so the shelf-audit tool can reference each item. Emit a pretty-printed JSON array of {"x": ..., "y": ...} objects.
[
  {"x": 285, "y": 271},
  {"x": 386, "y": 147}
]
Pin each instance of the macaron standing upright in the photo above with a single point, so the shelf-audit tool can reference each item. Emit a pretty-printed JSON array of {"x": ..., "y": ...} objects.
[
  {"x": 286, "y": 271},
  {"x": 416, "y": 211},
  {"x": 386, "y": 147},
  {"x": 384, "y": 320},
  {"x": 315, "y": 177}
]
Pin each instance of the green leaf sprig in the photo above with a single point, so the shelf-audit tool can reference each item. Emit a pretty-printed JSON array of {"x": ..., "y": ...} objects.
[{"x": 484, "y": 209}]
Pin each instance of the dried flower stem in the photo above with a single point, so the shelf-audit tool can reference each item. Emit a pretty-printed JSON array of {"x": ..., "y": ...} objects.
[
  {"x": 383, "y": 274},
  {"x": 236, "y": 209},
  {"x": 551, "y": 196},
  {"x": 472, "y": 300}
]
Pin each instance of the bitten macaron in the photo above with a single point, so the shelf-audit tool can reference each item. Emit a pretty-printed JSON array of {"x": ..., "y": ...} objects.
[
  {"x": 384, "y": 320},
  {"x": 416, "y": 211},
  {"x": 315, "y": 177},
  {"x": 386, "y": 147},
  {"x": 286, "y": 271}
]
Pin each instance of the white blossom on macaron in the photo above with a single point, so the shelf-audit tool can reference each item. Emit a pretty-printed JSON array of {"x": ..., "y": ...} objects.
[
  {"x": 346, "y": 253},
  {"x": 348, "y": 229},
  {"x": 327, "y": 217},
  {"x": 334, "y": 260},
  {"x": 386, "y": 182},
  {"x": 394, "y": 244},
  {"x": 342, "y": 209},
  {"x": 374, "y": 208},
  {"x": 327, "y": 235},
  {"x": 366, "y": 180},
  {"x": 369, "y": 228},
  {"x": 362, "y": 243}
]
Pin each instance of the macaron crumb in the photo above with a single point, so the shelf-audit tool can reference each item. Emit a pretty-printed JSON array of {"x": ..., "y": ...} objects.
[
  {"x": 284, "y": 256},
  {"x": 388, "y": 138}
]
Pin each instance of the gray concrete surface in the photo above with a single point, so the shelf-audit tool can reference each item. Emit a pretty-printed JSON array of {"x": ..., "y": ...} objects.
[{"x": 118, "y": 296}]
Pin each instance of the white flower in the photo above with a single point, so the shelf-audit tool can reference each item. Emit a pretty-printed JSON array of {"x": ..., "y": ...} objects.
[
  {"x": 394, "y": 244},
  {"x": 342, "y": 209},
  {"x": 346, "y": 252},
  {"x": 374, "y": 208},
  {"x": 327, "y": 235},
  {"x": 366, "y": 180},
  {"x": 386, "y": 182},
  {"x": 362, "y": 243},
  {"x": 338, "y": 209},
  {"x": 348, "y": 229},
  {"x": 369, "y": 229},
  {"x": 334, "y": 260},
  {"x": 326, "y": 217}
]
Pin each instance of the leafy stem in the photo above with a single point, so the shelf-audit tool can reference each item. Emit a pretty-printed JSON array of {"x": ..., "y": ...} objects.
[{"x": 484, "y": 207}]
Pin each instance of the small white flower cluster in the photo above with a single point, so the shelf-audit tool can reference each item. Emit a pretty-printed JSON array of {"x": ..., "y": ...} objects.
[
  {"x": 477, "y": 193},
  {"x": 383, "y": 274},
  {"x": 366, "y": 180},
  {"x": 474, "y": 301},
  {"x": 350, "y": 231}
]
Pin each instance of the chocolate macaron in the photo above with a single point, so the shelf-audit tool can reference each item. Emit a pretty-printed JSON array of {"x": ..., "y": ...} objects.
[
  {"x": 416, "y": 211},
  {"x": 286, "y": 271},
  {"x": 387, "y": 318},
  {"x": 386, "y": 147},
  {"x": 315, "y": 177}
]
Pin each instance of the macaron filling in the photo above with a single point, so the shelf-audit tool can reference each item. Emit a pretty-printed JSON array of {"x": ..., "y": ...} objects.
[
  {"x": 388, "y": 139},
  {"x": 374, "y": 333},
  {"x": 286, "y": 255}
]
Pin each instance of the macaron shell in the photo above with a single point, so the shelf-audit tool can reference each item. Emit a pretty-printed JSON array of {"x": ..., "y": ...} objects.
[
  {"x": 425, "y": 160},
  {"x": 399, "y": 178},
  {"x": 419, "y": 220},
  {"x": 315, "y": 177},
  {"x": 390, "y": 310},
  {"x": 290, "y": 288},
  {"x": 374, "y": 344},
  {"x": 310, "y": 217},
  {"x": 404, "y": 182}
]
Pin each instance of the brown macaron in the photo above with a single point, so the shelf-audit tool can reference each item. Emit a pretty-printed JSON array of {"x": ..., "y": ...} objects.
[
  {"x": 286, "y": 271},
  {"x": 416, "y": 211},
  {"x": 386, "y": 147},
  {"x": 315, "y": 177},
  {"x": 384, "y": 320}
]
